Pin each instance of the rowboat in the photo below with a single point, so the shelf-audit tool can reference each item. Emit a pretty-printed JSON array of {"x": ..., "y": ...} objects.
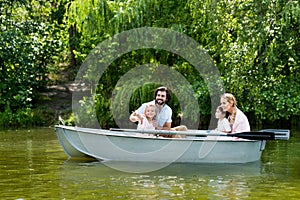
[{"x": 148, "y": 146}]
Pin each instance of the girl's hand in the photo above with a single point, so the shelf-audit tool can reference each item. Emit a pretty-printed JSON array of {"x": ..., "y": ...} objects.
[{"x": 139, "y": 116}]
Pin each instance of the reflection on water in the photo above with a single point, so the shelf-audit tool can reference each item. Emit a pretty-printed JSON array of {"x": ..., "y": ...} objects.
[
  {"x": 33, "y": 166},
  {"x": 176, "y": 180}
]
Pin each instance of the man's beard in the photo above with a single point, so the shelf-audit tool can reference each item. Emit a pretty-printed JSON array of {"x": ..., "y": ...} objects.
[{"x": 161, "y": 102}]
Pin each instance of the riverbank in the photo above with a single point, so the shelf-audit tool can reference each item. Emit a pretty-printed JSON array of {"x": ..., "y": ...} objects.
[
  {"x": 58, "y": 97},
  {"x": 55, "y": 101},
  {"x": 58, "y": 100}
]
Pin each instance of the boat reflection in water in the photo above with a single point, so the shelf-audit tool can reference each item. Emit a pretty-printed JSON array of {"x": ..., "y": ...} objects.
[
  {"x": 177, "y": 179},
  {"x": 103, "y": 169}
]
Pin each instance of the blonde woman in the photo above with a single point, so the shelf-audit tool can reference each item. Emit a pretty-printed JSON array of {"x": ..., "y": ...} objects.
[{"x": 237, "y": 119}]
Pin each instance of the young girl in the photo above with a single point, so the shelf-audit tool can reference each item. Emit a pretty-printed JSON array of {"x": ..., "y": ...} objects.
[
  {"x": 223, "y": 123},
  {"x": 145, "y": 121}
]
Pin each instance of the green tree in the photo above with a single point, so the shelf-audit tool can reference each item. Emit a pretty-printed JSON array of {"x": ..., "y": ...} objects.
[
  {"x": 108, "y": 18},
  {"x": 255, "y": 46},
  {"x": 31, "y": 41}
]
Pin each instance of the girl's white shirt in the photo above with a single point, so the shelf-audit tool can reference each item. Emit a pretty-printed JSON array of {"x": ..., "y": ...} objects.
[
  {"x": 224, "y": 125},
  {"x": 145, "y": 124}
]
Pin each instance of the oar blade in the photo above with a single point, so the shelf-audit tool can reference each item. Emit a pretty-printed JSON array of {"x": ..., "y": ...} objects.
[
  {"x": 256, "y": 135},
  {"x": 280, "y": 134}
]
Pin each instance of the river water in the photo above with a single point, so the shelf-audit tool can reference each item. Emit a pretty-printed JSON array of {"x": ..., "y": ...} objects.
[{"x": 34, "y": 166}]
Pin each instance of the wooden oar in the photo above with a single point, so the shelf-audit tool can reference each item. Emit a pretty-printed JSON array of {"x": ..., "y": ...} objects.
[{"x": 252, "y": 135}]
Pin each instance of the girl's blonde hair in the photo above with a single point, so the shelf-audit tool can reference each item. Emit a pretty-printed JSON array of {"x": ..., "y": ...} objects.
[{"x": 231, "y": 99}]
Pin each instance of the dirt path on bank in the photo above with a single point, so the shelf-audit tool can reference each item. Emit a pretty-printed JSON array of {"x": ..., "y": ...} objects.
[{"x": 59, "y": 97}]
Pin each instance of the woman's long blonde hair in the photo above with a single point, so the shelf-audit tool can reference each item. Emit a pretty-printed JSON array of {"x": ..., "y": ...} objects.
[{"x": 231, "y": 99}]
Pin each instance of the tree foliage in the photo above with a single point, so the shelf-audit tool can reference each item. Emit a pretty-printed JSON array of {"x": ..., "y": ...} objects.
[
  {"x": 254, "y": 44},
  {"x": 256, "y": 47},
  {"x": 30, "y": 44},
  {"x": 108, "y": 18}
]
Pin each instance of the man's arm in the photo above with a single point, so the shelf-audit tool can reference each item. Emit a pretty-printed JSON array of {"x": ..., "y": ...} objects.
[{"x": 167, "y": 126}]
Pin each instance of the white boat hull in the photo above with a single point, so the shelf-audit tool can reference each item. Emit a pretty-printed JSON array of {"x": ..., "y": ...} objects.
[{"x": 122, "y": 146}]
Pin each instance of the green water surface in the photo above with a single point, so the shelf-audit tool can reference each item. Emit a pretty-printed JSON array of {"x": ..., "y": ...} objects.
[{"x": 34, "y": 166}]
